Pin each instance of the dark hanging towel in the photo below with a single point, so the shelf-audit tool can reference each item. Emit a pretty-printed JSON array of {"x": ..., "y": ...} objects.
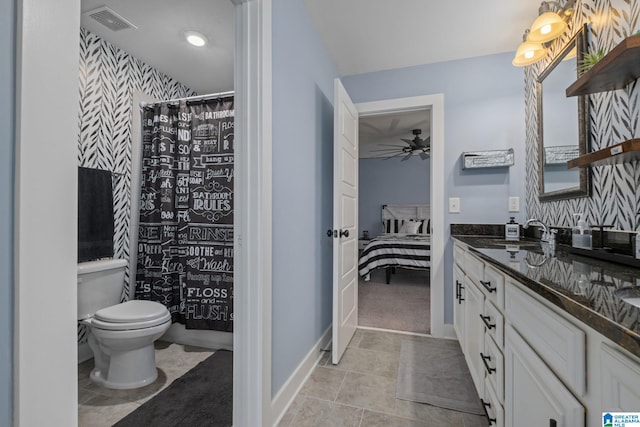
[{"x": 95, "y": 214}]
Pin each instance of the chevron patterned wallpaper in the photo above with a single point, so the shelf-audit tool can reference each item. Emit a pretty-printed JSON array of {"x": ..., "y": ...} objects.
[
  {"x": 108, "y": 79},
  {"x": 615, "y": 117}
]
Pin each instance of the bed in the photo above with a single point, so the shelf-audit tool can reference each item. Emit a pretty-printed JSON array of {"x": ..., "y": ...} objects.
[{"x": 405, "y": 241}]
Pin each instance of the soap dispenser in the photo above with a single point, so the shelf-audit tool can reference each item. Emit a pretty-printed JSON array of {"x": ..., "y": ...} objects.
[
  {"x": 581, "y": 235},
  {"x": 512, "y": 230}
]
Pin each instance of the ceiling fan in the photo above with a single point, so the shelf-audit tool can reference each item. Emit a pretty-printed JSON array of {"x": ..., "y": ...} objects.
[{"x": 415, "y": 145}]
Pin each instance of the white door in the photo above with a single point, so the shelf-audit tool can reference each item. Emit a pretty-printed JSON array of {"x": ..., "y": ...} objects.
[{"x": 345, "y": 221}]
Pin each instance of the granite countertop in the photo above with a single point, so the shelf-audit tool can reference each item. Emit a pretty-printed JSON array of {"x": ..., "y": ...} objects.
[{"x": 603, "y": 295}]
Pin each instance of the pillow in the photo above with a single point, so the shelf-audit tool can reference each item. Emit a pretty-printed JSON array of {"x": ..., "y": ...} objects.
[{"x": 410, "y": 227}]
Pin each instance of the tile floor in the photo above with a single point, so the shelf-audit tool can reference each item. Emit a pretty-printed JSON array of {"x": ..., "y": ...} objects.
[
  {"x": 360, "y": 391},
  {"x": 103, "y": 407}
]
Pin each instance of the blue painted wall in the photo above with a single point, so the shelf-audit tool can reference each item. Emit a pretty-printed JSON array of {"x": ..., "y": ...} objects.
[
  {"x": 303, "y": 76},
  {"x": 390, "y": 182},
  {"x": 484, "y": 110},
  {"x": 7, "y": 118}
]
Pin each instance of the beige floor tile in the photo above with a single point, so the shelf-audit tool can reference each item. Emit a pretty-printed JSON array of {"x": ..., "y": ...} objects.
[
  {"x": 429, "y": 414},
  {"x": 323, "y": 383},
  {"x": 475, "y": 420},
  {"x": 103, "y": 412},
  {"x": 369, "y": 392},
  {"x": 288, "y": 417},
  {"x": 377, "y": 419},
  {"x": 369, "y": 362},
  {"x": 322, "y": 413}
]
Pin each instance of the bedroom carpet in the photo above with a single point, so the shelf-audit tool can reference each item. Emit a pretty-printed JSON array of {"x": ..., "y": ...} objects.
[
  {"x": 201, "y": 397},
  {"x": 435, "y": 372},
  {"x": 403, "y": 305}
]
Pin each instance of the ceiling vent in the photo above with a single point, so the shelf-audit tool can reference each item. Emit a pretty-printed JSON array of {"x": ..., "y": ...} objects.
[{"x": 110, "y": 19}]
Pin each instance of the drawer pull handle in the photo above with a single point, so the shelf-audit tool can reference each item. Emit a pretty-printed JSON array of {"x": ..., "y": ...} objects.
[
  {"x": 459, "y": 288},
  {"x": 486, "y": 405},
  {"x": 487, "y": 286},
  {"x": 485, "y": 320},
  {"x": 485, "y": 360}
]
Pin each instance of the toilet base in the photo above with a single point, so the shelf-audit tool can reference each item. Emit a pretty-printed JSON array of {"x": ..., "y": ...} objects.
[
  {"x": 127, "y": 370},
  {"x": 125, "y": 359}
]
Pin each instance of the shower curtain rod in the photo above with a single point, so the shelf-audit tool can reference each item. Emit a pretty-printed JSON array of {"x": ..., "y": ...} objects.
[{"x": 189, "y": 98}]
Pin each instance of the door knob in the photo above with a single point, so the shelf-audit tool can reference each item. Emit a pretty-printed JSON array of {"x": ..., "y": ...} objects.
[{"x": 344, "y": 233}]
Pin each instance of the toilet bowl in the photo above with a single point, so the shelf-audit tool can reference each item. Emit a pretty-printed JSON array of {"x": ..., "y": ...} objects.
[{"x": 121, "y": 335}]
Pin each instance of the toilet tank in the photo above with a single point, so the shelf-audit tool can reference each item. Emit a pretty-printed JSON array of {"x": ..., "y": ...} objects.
[{"x": 100, "y": 285}]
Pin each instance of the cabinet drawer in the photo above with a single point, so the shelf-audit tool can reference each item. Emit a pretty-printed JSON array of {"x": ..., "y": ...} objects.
[
  {"x": 458, "y": 254},
  {"x": 493, "y": 286},
  {"x": 557, "y": 341},
  {"x": 493, "y": 361},
  {"x": 494, "y": 323},
  {"x": 474, "y": 267},
  {"x": 493, "y": 407}
]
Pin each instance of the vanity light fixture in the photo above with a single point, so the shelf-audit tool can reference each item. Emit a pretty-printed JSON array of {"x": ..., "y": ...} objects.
[
  {"x": 528, "y": 52},
  {"x": 195, "y": 38},
  {"x": 551, "y": 24}
]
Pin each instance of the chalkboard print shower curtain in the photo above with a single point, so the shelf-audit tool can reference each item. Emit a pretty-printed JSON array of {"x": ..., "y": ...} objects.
[{"x": 185, "y": 238}]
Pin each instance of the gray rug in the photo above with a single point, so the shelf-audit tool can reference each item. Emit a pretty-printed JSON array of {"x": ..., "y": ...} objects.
[
  {"x": 402, "y": 305},
  {"x": 201, "y": 397},
  {"x": 434, "y": 372}
]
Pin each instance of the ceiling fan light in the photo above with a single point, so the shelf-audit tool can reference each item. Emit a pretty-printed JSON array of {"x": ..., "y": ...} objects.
[{"x": 547, "y": 27}]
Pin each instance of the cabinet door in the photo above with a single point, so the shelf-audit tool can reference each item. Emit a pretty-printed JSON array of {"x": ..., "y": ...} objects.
[
  {"x": 474, "y": 332},
  {"x": 458, "y": 303},
  {"x": 534, "y": 396}
]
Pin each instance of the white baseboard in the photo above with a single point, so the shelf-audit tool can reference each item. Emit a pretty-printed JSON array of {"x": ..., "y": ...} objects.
[
  {"x": 215, "y": 340},
  {"x": 290, "y": 389},
  {"x": 449, "y": 331}
]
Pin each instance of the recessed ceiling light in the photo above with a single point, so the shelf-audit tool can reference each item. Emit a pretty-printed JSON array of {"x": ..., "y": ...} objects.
[{"x": 195, "y": 38}]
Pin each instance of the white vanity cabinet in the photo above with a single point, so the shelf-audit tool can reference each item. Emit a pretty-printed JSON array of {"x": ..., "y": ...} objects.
[
  {"x": 478, "y": 322},
  {"x": 533, "y": 363}
]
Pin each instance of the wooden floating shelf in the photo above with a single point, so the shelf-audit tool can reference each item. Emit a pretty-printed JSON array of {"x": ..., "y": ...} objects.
[
  {"x": 616, "y": 70},
  {"x": 620, "y": 153}
]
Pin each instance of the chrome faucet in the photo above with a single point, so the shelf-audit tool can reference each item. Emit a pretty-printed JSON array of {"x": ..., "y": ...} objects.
[{"x": 548, "y": 235}]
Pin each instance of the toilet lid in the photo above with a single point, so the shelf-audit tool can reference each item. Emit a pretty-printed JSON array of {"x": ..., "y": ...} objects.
[{"x": 134, "y": 311}]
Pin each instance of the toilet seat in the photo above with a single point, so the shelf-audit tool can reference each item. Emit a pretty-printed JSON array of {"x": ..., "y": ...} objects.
[{"x": 135, "y": 314}]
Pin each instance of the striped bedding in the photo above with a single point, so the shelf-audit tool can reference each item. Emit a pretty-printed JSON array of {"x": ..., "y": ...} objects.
[{"x": 394, "y": 250}]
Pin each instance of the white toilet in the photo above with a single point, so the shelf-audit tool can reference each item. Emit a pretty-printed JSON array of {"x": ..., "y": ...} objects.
[{"x": 120, "y": 335}]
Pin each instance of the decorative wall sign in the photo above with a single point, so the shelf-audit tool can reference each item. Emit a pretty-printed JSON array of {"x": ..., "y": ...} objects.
[{"x": 185, "y": 249}]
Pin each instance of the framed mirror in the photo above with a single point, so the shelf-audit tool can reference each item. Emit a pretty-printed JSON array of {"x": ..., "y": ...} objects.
[{"x": 563, "y": 126}]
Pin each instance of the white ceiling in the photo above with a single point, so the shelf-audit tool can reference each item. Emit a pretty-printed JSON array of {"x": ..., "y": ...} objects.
[
  {"x": 360, "y": 35},
  {"x": 159, "y": 40},
  {"x": 372, "y": 35}
]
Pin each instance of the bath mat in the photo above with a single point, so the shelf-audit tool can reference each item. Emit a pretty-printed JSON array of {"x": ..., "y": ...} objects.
[
  {"x": 201, "y": 397},
  {"x": 435, "y": 372}
]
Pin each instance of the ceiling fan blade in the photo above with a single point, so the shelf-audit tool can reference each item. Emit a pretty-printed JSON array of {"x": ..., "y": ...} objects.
[
  {"x": 395, "y": 155},
  {"x": 387, "y": 149},
  {"x": 408, "y": 141},
  {"x": 407, "y": 157},
  {"x": 424, "y": 155},
  {"x": 391, "y": 145}
]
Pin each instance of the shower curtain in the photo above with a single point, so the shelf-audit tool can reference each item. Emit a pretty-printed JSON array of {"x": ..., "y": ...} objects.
[{"x": 185, "y": 236}]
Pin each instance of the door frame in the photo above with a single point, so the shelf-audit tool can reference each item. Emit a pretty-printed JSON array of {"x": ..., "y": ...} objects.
[
  {"x": 435, "y": 103},
  {"x": 38, "y": 38}
]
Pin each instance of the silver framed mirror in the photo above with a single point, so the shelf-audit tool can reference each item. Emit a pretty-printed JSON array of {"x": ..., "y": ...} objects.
[{"x": 561, "y": 135}]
